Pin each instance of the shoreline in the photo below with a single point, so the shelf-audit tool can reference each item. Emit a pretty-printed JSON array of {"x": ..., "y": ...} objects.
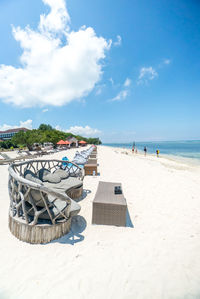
[{"x": 192, "y": 162}]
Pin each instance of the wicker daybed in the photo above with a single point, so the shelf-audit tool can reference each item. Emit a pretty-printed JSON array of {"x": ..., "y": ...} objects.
[{"x": 41, "y": 211}]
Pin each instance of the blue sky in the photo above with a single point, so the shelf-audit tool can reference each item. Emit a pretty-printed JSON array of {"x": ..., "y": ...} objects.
[{"x": 131, "y": 73}]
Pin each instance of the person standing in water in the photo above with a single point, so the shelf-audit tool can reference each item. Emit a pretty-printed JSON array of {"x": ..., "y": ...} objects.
[{"x": 145, "y": 150}]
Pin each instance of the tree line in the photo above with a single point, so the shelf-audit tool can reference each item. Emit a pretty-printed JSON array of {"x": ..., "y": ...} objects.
[{"x": 45, "y": 133}]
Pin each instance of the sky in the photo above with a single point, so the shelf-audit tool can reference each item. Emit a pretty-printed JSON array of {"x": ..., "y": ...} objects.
[{"x": 120, "y": 70}]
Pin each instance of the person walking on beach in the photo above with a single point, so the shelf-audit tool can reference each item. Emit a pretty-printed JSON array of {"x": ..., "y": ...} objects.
[
  {"x": 145, "y": 150},
  {"x": 133, "y": 147},
  {"x": 157, "y": 153}
]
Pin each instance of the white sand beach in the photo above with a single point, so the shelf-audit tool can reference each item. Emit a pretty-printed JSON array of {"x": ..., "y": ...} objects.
[{"x": 157, "y": 256}]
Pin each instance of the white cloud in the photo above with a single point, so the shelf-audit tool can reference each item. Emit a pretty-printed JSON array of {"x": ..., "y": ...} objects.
[
  {"x": 164, "y": 62},
  {"x": 26, "y": 124},
  {"x": 57, "y": 19},
  {"x": 58, "y": 65},
  {"x": 167, "y": 61},
  {"x": 23, "y": 124},
  {"x": 112, "y": 81},
  {"x": 59, "y": 128},
  {"x": 127, "y": 82},
  {"x": 119, "y": 41},
  {"x": 86, "y": 131},
  {"x": 120, "y": 96},
  {"x": 123, "y": 93},
  {"x": 99, "y": 89},
  {"x": 146, "y": 74},
  {"x": 45, "y": 110}
]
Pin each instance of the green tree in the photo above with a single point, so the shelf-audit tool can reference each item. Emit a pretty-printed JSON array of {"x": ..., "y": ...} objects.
[
  {"x": 7, "y": 144},
  {"x": 94, "y": 141},
  {"x": 44, "y": 127},
  {"x": 19, "y": 138},
  {"x": 45, "y": 133},
  {"x": 28, "y": 138}
]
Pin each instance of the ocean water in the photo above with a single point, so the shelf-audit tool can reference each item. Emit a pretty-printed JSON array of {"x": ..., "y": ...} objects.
[{"x": 182, "y": 149}]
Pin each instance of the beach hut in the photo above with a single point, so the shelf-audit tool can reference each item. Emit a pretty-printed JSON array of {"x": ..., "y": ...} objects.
[
  {"x": 73, "y": 141},
  {"x": 62, "y": 143},
  {"x": 67, "y": 143},
  {"x": 82, "y": 143}
]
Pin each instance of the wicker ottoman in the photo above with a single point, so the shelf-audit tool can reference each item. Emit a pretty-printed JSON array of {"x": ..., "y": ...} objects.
[{"x": 109, "y": 208}]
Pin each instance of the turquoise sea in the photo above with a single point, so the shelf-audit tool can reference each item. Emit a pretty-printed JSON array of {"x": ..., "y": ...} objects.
[{"x": 182, "y": 149}]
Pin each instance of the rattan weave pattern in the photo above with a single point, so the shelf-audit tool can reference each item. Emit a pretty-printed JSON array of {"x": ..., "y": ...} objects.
[{"x": 109, "y": 208}]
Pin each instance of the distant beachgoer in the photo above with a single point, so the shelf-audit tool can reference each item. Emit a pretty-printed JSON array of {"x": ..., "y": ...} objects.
[
  {"x": 133, "y": 149},
  {"x": 136, "y": 150},
  {"x": 157, "y": 153},
  {"x": 145, "y": 150}
]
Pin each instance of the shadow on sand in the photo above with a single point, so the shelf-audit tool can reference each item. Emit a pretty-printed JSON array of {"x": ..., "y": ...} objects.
[
  {"x": 84, "y": 195},
  {"x": 128, "y": 219},
  {"x": 78, "y": 225}
]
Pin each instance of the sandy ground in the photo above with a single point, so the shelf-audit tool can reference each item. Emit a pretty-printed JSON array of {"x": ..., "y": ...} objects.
[{"x": 156, "y": 256}]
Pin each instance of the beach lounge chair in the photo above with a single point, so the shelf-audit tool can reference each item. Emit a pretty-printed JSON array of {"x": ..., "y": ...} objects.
[
  {"x": 8, "y": 160},
  {"x": 42, "y": 153},
  {"x": 84, "y": 160},
  {"x": 78, "y": 159},
  {"x": 27, "y": 154},
  {"x": 41, "y": 204},
  {"x": 73, "y": 170},
  {"x": 82, "y": 157}
]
